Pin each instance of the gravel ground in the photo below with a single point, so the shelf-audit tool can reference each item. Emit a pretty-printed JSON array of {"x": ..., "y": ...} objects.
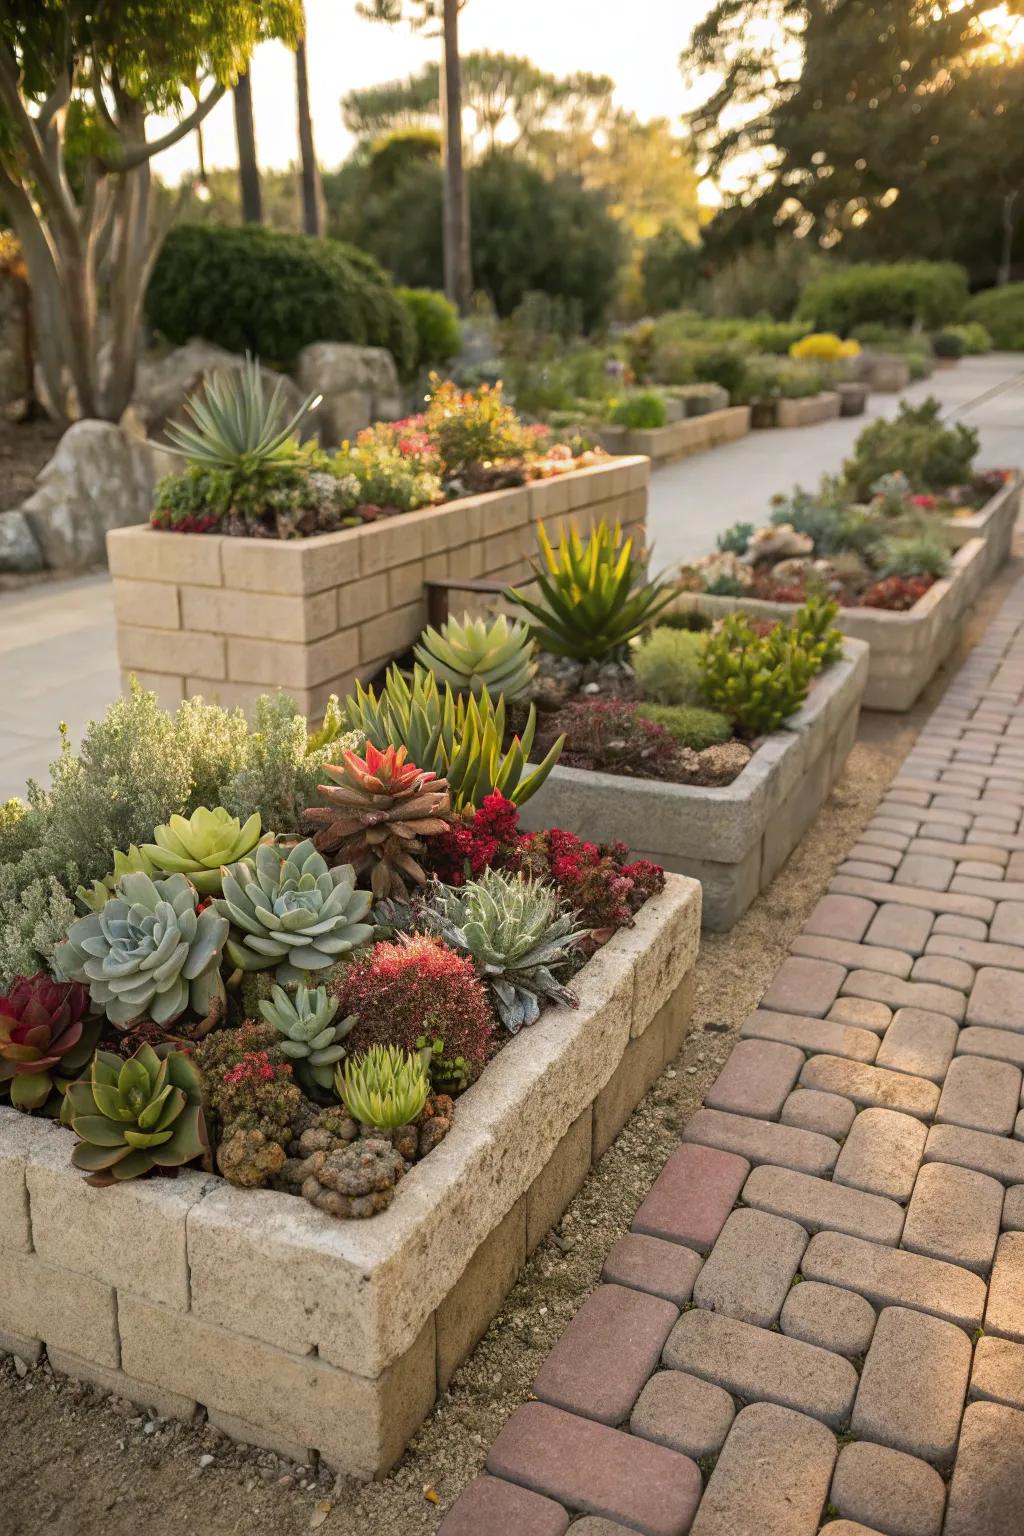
[{"x": 74, "y": 1462}]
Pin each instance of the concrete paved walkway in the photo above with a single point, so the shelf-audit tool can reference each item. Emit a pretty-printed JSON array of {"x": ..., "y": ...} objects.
[
  {"x": 57, "y": 655},
  {"x": 817, "y": 1319}
]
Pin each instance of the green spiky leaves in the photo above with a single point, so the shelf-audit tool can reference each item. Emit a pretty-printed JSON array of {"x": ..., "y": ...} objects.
[
  {"x": 386, "y": 1087},
  {"x": 236, "y": 427},
  {"x": 495, "y": 654}
]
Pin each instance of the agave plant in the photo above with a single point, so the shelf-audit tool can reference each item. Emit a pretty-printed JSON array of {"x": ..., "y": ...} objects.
[
  {"x": 288, "y": 911},
  {"x": 197, "y": 846},
  {"x": 385, "y": 1088},
  {"x": 236, "y": 428},
  {"x": 134, "y": 862},
  {"x": 148, "y": 952},
  {"x": 594, "y": 596},
  {"x": 459, "y": 737},
  {"x": 380, "y": 809},
  {"x": 310, "y": 1038},
  {"x": 479, "y": 653},
  {"x": 45, "y": 1037},
  {"x": 513, "y": 930},
  {"x": 131, "y": 1116}
]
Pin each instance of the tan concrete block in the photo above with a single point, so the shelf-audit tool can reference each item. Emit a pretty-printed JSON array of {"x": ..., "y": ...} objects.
[
  {"x": 466, "y": 1312},
  {"x": 362, "y": 600},
  {"x": 169, "y": 690},
  {"x": 18, "y": 1135},
  {"x": 390, "y": 542},
  {"x": 548, "y": 498},
  {"x": 359, "y": 1426},
  {"x": 294, "y": 566},
  {"x": 230, "y": 695},
  {"x": 152, "y": 649},
  {"x": 405, "y": 584},
  {"x": 640, "y": 1066},
  {"x": 506, "y": 510},
  {"x": 279, "y": 664},
  {"x": 65, "y": 1310},
  {"x": 260, "y": 614},
  {"x": 392, "y": 632},
  {"x": 150, "y": 603},
  {"x": 435, "y": 567},
  {"x": 150, "y": 554},
  {"x": 169, "y": 1405},
  {"x": 469, "y": 560},
  {"x": 678, "y": 1014},
  {"x": 554, "y": 1187}
]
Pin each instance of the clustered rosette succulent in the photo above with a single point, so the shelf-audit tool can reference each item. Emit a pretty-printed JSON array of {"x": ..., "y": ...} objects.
[
  {"x": 385, "y": 1088},
  {"x": 289, "y": 912},
  {"x": 131, "y": 1116},
  {"x": 45, "y": 1037},
  {"x": 134, "y": 862},
  {"x": 310, "y": 1037},
  {"x": 199, "y": 845},
  {"x": 380, "y": 808},
  {"x": 149, "y": 952}
]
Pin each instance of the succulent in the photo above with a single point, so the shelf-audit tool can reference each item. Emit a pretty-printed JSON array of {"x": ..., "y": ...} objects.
[
  {"x": 198, "y": 846},
  {"x": 310, "y": 1038},
  {"x": 513, "y": 930},
  {"x": 758, "y": 681},
  {"x": 288, "y": 911},
  {"x": 814, "y": 625},
  {"x": 357, "y": 1180},
  {"x": 380, "y": 809},
  {"x": 593, "y": 597},
  {"x": 385, "y": 1088},
  {"x": 149, "y": 952},
  {"x": 448, "y": 1074},
  {"x": 479, "y": 653},
  {"x": 131, "y": 1116},
  {"x": 459, "y": 737},
  {"x": 236, "y": 428},
  {"x": 44, "y": 1035},
  {"x": 134, "y": 862}
]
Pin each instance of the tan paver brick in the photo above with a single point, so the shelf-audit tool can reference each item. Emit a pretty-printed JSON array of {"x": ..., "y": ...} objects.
[
  {"x": 820, "y": 1205},
  {"x": 913, "y": 1385},
  {"x": 1004, "y": 1315},
  {"x": 871, "y": 1086},
  {"x": 882, "y": 1153},
  {"x": 894, "y": 1277},
  {"x": 920, "y": 1043},
  {"x": 763, "y": 1141},
  {"x": 985, "y": 1491},
  {"x": 834, "y": 1319},
  {"x": 1003, "y": 1159},
  {"x": 837, "y": 1039},
  {"x": 804, "y": 986},
  {"x": 751, "y": 1267},
  {"x": 954, "y": 1214},
  {"x": 684, "y": 1413},
  {"x": 826, "y": 1113},
  {"x": 980, "y": 1095},
  {"x": 756, "y": 1079},
  {"x": 998, "y": 1374},
  {"x": 773, "y": 1475},
  {"x": 905, "y": 994},
  {"x": 888, "y": 1490}
]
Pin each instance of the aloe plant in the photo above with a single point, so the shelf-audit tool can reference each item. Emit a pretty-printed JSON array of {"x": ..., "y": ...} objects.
[
  {"x": 385, "y": 1088},
  {"x": 479, "y": 653},
  {"x": 236, "y": 427}
]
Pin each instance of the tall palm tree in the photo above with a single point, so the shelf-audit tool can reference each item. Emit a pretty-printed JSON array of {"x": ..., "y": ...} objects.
[
  {"x": 248, "y": 166},
  {"x": 312, "y": 187}
]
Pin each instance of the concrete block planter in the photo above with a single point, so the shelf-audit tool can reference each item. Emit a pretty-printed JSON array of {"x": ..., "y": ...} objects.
[
  {"x": 807, "y": 412},
  {"x": 732, "y": 839},
  {"x": 886, "y": 372},
  {"x": 679, "y": 439},
  {"x": 299, "y": 1332},
  {"x": 994, "y": 522},
  {"x": 907, "y": 649},
  {"x": 233, "y": 618}
]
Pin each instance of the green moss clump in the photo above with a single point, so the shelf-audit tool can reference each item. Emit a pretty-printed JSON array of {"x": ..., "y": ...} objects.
[
  {"x": 667, "y": 666},
  {"x": 689, "y": 724}
]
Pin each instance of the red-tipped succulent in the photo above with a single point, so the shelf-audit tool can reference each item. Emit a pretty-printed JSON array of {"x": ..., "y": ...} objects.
[{"x": 44, "y": 1036}]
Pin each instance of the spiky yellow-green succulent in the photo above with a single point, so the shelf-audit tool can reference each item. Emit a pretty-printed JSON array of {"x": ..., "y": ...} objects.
[
  {"x": 495, "y": 654},
  {"x": 386, "y": 1087}
]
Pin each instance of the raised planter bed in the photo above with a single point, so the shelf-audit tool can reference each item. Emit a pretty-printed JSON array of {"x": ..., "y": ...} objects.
[
  {"x": 886, "y": 373},
  {"x": 679, "y": 439},
  {"x": 994, "y": 522},
  {"x": 908, "y": 648},
  {"x": 300, "y": 1332},
  {"x": 231, "y": 618},
  {"x": 801, "y": 413},
  {"x": 732, "y": 839}
]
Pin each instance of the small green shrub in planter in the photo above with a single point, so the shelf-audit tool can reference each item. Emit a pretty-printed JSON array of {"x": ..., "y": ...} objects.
[
  {"x": 639, "y": 412},
  {"x": 948, "y": 344},
  {"x": 931, "y": 455},
  {"x": 758, "y": 681},
  {"x": 438, "y": 334},
  {"x": 735, "y": 539},
  {"x": 667, "y": 666},
  {"x": 974, "y": 336},
  {"x": 691, "y": 725},
  {"x": 1001, "y": 312},
  {"x": 922, "y": 554}
]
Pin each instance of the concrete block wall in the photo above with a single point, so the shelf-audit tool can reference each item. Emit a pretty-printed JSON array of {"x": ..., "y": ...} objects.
[
  {"x": 302, "y": 1333},
  {"x": 680, "y": 439},
  {"x": 233, "y": 618},
  {"x": 808, "y": 412}
]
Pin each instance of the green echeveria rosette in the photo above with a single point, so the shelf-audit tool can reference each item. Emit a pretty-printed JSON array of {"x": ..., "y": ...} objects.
[
  {"x": 199, "y": 845},
  {"x": 289, "y": 911},
  {"x": 310, "y": 1036},
  {"x": 131, "y": 1116},
  {"x": 148, "y": 953}
]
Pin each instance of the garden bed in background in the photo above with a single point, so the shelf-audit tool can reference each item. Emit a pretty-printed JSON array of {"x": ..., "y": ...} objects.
[
  {"x": 994, "y": 522},
  {"x": 807, "y": 412},
  {"x": 735, "y": 838},
  {"x": 231, "y": 617},
  {"x": 679, "y": 439},
  {"x": 300, "y": 1332}
]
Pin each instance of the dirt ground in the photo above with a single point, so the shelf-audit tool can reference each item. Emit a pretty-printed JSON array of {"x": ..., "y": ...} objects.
[{"x": 74, "y": 1462}]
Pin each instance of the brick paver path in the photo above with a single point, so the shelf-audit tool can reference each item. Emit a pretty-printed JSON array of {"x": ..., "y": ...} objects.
[{"x": 817, "y": 1322}]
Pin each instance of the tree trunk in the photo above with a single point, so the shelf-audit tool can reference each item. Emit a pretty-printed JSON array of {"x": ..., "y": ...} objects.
[
  {"x": 312, "y": 189},
  {"x": 457, "y": 268},
  {"x": 248, "y": 166}
]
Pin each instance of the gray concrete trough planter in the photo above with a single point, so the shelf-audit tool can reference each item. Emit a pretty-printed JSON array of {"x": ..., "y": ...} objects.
[
  {"x": 907, "y": 649},
  {"x": 733, "y": 839},
  {"x": 299, "y": 1332}
]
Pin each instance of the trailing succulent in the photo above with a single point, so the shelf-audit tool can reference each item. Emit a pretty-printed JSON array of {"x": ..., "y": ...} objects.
[
  {"x": 380, "y": 808},
  {"x": 131, "y": 1116},
  {"x": 289, "y": 912},
  {"x": 513, "y": 930},
  {"x": 46, "y": 1037},
  {"x": 310, "y": 1038},
  {"x": 495, "y": 654},
  {"x": 149, "y": 952}
]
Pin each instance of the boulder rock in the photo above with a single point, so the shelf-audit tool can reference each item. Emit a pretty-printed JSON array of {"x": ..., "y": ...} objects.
[
  {"x": 163, "y": 384},
  {"x": 100, "y": 477},
  {"x": 359, "y": 385},
  {"x": 19, "y": 550}
]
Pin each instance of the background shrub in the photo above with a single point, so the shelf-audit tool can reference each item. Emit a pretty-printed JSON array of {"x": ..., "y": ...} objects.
[
  {"x": 916, "y": 443},
  {"x": 640, "y": 411},
  {"x": 948, "y": 344},
  {"x": 271, "y": 293},
  {"x": 667, "y": 666},
  {"x": 974, "y": 336},
  {"x": 438, "y": 334},
  {"x": 925, "y": 293},
  {"x": 1001, "y": 312}
]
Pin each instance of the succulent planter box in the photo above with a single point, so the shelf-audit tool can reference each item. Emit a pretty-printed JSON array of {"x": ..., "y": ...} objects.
[
  {"x": 679, "y": 439},
  {"x": 906, "y": 649},
  {"x": 886, "y": 373},
  {"x": 299, "y": 1332},
  {"x": 853, "y": 398},
  {"x": 994, "y": 522},
  {"x": 233, "y": 618},
  {"x": 797, "y": 413},
  {"x": 733, "y": 839}
]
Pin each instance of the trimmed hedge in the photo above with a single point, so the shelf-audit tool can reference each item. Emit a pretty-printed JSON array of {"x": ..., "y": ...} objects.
[
  {"x": 1001, "y": 312},
  {"x": 271, "y": 293},
  {"x": 438, "y": 334},
  {"x": 927, "y": 293}
]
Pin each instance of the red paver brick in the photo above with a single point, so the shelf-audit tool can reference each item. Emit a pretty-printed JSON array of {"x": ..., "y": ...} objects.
[
  {"x": 653, "y": 1265},
  {"x": 599, "y": 1365},
  {"x": 692, "y": 1195},
  {"x": 756, "y": 1079},
  {"x": 492, "y": 1507},
  {"x": 803, "y": 986},
  {"x": 601, "y": 1471}
]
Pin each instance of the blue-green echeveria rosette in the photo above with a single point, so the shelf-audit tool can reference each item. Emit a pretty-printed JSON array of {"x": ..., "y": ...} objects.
[
  {"x": 131, "y": 1116},
  {"x": 289, "y": 911},
  {"x": 149, "y": 953}
]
